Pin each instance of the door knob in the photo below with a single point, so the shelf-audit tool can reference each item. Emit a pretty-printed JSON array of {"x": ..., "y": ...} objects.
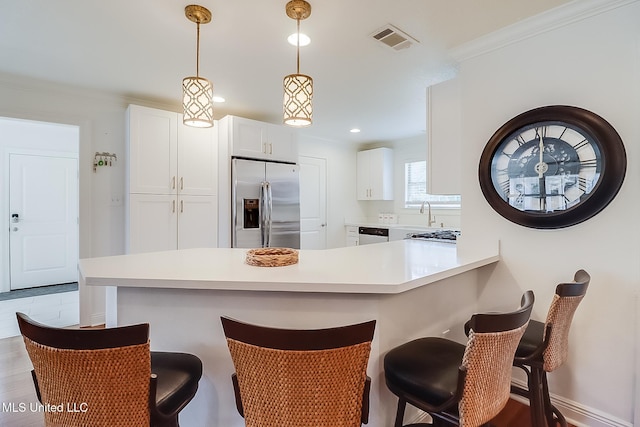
[
  {"x": 15, "y": 228},
  {"x": 323, "y": 225}
]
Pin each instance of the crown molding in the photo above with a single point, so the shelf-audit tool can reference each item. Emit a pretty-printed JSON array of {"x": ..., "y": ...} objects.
[{"x": 552, "y": 19}]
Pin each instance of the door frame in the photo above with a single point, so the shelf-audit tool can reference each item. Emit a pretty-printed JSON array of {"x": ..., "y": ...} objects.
[{"x": 5, "y": 152}]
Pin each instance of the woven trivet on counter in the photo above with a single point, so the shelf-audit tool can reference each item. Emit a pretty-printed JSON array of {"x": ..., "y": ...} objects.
[{"x": 271, "y": 257}]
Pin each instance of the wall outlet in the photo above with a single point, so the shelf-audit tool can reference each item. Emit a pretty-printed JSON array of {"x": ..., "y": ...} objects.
[{"x": 116, "y": 200}]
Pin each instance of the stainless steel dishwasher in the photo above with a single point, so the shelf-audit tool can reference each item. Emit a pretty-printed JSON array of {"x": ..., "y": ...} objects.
[{"x": 368, "y": 235}]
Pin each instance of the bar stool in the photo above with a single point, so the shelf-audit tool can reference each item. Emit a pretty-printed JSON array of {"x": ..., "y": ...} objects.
[
  {"x": 545, "y": 346},
  {"x": 292, "y": 377},
  {"x": 107, "y": 377},
  {"x": 462, "y": 385}
]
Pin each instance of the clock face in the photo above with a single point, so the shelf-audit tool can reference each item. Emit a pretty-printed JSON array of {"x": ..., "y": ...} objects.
[
  {"x": 546, "y": 167},
  {"x": 552, "y": 167}
]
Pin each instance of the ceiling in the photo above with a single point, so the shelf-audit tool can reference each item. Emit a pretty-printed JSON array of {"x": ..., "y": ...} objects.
[{"x": 143, "y": 48}]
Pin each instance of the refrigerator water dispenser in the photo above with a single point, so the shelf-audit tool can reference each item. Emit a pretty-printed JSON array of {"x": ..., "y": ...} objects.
[{"x": 251, "y": 209}]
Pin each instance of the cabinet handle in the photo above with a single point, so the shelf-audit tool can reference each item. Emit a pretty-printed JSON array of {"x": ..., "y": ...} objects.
[
  {"x": 181, "y": 206},
  {"x": 173, "y": 183},
  {"x": 173, "y": 206},
  {"x": 181, "y": 183},
  {"x": 264, "y": 147},
  {"x": 270, "y": 148}
]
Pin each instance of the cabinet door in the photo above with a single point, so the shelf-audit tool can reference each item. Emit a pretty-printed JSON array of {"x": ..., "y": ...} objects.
[
  {"x": 248, "y": 138},
  {"x": 197, "y": 222},
  {"x": 352, "y": 238},
  {"x": 197, "y": 160},
  {"x": 282, "y": 144},
  {"x": 363, "y": 172},
  {"x": 152, "y": 141},
  {"x": 152, "y": 223},
  {"x": 381, "y": 174},
  {"x": 444, "y": 175},
  {"x": 374, "y": 175}
]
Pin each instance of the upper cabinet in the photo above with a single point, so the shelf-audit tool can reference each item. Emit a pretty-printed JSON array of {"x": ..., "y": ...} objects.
[
  {"x": 259, "y": 140},
  {"x": 444, "y": 140},
  {"x": 374, "y": 174},
  {"x": 167, "y": 157},
  {"x": 153, "y": 150}
]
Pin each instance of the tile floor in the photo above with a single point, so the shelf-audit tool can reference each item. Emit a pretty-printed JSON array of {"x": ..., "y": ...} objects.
[{"x": 59, "y": 310}]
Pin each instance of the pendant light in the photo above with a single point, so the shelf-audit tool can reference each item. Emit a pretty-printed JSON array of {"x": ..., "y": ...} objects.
[
  {"x": 298, "y": 88},
  {"x": 197, "y": 92}
]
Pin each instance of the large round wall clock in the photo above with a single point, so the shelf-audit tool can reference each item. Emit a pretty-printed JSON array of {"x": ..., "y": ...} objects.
[{"x": 552, "y": 167}]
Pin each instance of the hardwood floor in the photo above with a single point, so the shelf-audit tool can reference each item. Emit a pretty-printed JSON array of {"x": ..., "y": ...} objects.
[{"x": 17, "y": 393}]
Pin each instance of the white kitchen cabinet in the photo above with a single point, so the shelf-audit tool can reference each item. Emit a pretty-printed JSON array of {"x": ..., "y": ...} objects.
[
  {"x": 153, "y": 150},
  {"x": 352, "y": 238},
  {"x": 374, "y": 174},
  {"x": 172, "y": 183},
  {"x": 152, "y": 223},
  {"x": 167, "y": 157},
  {"x": 160, "y": 222},
  {"x": 444, "y": 140},
  {"x": 197, "y": 221},
  {"x": 259, "y": 140}
]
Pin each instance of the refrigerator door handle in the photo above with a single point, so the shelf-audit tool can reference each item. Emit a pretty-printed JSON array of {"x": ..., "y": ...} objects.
[
  {"x": 269, "y": 212},
  {"x": 263, "y": 214}
]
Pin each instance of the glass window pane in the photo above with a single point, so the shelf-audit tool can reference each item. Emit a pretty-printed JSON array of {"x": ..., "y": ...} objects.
[{"x": 415, "y": 187}]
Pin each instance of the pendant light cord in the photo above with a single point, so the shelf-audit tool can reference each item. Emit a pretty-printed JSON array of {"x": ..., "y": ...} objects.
[
  {"x": 298, "y": 48},
  {"x": 198, "y": 50}
]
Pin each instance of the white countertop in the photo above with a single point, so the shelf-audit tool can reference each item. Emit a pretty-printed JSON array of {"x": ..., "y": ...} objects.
[{"x": 383, "y": 268}]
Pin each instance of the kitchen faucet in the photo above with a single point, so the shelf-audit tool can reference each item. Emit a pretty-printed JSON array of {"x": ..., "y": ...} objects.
[{"x": 430, "y": 221}]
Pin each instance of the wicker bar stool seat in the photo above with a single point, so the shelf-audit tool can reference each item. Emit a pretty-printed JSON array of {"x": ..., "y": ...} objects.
[
  {"x": 107, "y": 377},
  {"x": 296, "y": 378},
  {"x": 457, "y": 384},
  {"x": 545, "y": 346}
]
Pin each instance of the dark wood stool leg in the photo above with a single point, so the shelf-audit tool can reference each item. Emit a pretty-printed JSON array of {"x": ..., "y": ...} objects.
[
  {"x": 171, "y": 422},
  {"x": 552, "y": 413},
  {"x": 536, "y": 398},
  {"x": 402, "y": 404}
]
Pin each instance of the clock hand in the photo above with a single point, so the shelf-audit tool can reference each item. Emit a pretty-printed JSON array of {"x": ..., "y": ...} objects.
[{"x": 540, "y": 166}]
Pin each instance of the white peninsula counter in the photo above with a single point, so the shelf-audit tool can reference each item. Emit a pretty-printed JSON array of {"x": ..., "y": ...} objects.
[{"x": 412, "y": 288}]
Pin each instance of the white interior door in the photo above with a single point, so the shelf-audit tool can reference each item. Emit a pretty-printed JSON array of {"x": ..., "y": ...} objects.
[
  {"x": 43, "y": 220},
  {"x": 313, "y": 203}
]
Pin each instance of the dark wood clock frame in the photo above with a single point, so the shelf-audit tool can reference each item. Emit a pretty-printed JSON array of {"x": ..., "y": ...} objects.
[{"x": 612, "y": 173}]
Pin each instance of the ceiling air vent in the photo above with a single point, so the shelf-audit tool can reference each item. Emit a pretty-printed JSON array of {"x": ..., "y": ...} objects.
[{"x": 394, "y": 38}]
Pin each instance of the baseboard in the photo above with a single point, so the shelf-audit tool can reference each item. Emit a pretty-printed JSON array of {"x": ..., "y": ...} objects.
[{"x": 576, "y": 413}]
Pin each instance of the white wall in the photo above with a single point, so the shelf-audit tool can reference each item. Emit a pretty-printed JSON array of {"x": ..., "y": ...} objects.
[{"x": 594, "y": 63}]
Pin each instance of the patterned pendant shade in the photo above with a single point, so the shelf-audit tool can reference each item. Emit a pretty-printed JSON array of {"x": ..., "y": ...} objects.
[
  {"x": 197, "y": 102},
  {"x": 197, "y": 92},
  {"x": 298, "y": 95},
  {"x": 298, "y": 88}
]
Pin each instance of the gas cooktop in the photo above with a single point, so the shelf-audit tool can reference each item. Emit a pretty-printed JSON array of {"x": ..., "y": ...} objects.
[{"x": 448, "y": 236}]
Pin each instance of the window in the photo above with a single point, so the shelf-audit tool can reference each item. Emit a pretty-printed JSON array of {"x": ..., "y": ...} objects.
[{"x": 415, "y": 188}]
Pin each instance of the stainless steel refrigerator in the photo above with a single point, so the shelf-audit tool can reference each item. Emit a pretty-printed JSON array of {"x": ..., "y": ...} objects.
[{"x": 265, "y": 204}]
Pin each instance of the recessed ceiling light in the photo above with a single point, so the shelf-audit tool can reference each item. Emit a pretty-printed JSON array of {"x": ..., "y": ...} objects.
[
  {"x": 355, "y": 130},
  {"x": 304, "y": 39},
  {"x": 218, "y": 99}
]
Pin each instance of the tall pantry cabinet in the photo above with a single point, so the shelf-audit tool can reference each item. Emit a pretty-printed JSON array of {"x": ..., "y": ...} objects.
[{"x": 172, "y": 183}]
